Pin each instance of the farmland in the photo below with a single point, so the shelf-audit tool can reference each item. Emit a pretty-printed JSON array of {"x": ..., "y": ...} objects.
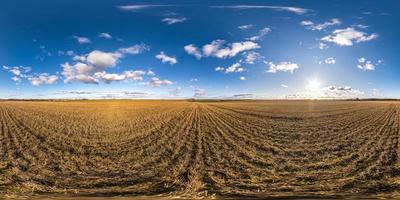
[{"x": 200, "y": 149}]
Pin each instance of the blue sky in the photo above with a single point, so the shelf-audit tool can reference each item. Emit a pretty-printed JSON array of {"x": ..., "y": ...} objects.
[{"x": 202, "y": 49}]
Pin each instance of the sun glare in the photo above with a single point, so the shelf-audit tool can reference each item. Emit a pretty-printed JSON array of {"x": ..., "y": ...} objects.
[{"x": 313, "y": 84}]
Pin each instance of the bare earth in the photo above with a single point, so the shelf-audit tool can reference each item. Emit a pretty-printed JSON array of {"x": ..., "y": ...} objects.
[{"x": 230, "y": 149}]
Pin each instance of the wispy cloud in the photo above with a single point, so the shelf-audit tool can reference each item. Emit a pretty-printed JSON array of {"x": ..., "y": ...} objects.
[
  {"x": 263, "y": 32},
  {"x": 136, "y": 7},
  {"x": 319, "y": 27},
  {"x": 82, "y": 40},
  {"x": 246, "y": 26},
  {"x": 296, "y": 10},
  {"x": 105, "y": 35},
  {"x": 173, "y": 20}
]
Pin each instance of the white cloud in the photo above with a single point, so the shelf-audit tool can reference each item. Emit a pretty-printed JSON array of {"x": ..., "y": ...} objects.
[
  {"x": 322, "y": 46},
  {"x": 212, "y": 48},
  {"x": 176, "y": 92},
  {"x": 234, "y": 68},
  {"x": 284, "y": 86},
  {"x": 137, "y": 7},
  {"x": 79, "y": 58},
  {"x": 193, "y": 50},
  {"x": 367, "y": 65},
  {"x": 86, "y": 66},
  {"x": 82, "y": 40},
  {"x": 156, "y": 82},
  {"x": 242, "y": 78},
  {"x": 246, "y": 26},
  {"x": 319, "y": 27},
  {"x": 330, "y": 61},
  {"x": 330, "y": 92},
  {"x": 296, "y": 10},
  {"x": 105, "y": 35},
  {"x": 261, "y": 34},
  {"x": 282, "y": 66},
  {"x": 171, "y": 20},
  {"x": 219, "y": 69},
  {"x": 217, "y": 48},
  {"x": 108, "y": 78},
  {"x": 198, "y": 92},
  {"x": 16, "y": 79},
  {"x": 137, "y": 75},
  {"x": 133, "y": 50},
  {"x": 166, "y": 59},
  {"x": 44, "y": 78},
  {"x": 150, "y": 73},
  {"x": 346, "y": 37},
  {"x": 376, "y": 93},
  {"x": 78, "y": 72},
  {"x": 19, "y": 72},
  {"x": 102, "y": 59},
  {"x": 251, "y": 57}
]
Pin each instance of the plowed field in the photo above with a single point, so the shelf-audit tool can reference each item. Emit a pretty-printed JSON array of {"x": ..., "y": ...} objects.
[{"x": 253, "y": 149}]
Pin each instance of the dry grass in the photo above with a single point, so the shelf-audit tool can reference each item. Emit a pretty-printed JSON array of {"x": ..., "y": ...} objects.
[{"x": 200, "y": 149}]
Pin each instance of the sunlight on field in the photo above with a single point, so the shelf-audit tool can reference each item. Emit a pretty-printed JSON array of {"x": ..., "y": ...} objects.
[{"x": 253, "y": 149}]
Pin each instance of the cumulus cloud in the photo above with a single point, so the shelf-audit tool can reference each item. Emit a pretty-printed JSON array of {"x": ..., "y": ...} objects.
[
  {"x": 193, "y": 50},
  {"x": 319, "y": 27},
  {"x": 156, "y": 82},
  {"x": 108, "y": 78},
  {"x": 198, "y": 93},
  {"x": 102, "y": 59},
  {"x": 242, "y": 78},
  {"x": 176, "y": 92},
  {"x": 82, "y": 40},
  {"x": 330, "y": 61},
  {"x": 296, "y": 10},
  {"x": 79, "y": 72},
  {"x": 367, "y": 65},
  {"x": 346, "y": 37},
  {"x": 166, "y": 59},
  {"x": 219, "y": 49},
  {"x": 236, "y": 67},
  {"x": 341, "y": 92},
  {"x": 105, "y": 35},
  {"x": 173, "y": 20},
  {"x": 282, "y": 66},
  {"x": 90, "y": 68},
  {"x": 330, "y": 92},
  {"x": 44, "y": 78},
  {"x": 246, "y": 26},
  {"x": 21, "y": 72},
  {"x": 252, "y": 56},
  {"x": 260, "y": 34},
  {"x": 79, "y": 58}
]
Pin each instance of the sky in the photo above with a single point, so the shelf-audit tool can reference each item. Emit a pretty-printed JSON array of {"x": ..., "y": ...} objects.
[{"x": 199, "y": 49}]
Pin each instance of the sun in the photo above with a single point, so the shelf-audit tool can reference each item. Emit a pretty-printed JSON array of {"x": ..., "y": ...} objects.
[{"x": 313, "y": 84}]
